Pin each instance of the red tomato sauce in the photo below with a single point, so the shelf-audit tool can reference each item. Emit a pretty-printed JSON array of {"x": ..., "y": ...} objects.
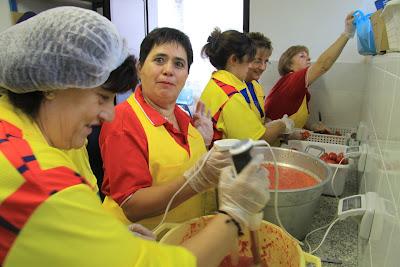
[
  {"x": 244, "y": 261},
  {"x": 289, "y": 178}
]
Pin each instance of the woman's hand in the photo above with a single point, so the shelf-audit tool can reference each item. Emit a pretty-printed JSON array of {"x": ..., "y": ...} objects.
[
  {"x": 202, "y": 122},
  {"x": 299, "y": 134},
  {"x": 205, "y": 176},
  {"x": 141, "y": 231},
  {"x": 245, "y": 195},
  {"x": 349, "y": 28}
]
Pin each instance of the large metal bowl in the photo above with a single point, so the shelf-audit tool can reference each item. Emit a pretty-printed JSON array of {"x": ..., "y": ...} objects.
[{"x": 296, "y": 206}]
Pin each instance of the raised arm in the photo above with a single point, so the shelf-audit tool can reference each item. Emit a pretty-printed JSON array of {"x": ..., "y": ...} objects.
[{"x": 330, "y": 55}]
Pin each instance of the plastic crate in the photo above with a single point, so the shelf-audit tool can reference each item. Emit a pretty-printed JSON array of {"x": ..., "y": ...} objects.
[
  {"x": 333, "y": 139},
  {"x": 344, "y": 171},
  {"x": 391, "y": 16},
  {"x": 344, "y": 131}
]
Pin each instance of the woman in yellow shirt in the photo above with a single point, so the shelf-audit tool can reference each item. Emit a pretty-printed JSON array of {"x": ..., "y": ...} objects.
[{"x": 231, "y": 52}]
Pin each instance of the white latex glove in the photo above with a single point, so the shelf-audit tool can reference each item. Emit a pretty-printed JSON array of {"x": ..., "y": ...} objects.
[
  {"x": 255, "y": 221},
  {"x": 321, "y": 128},
  {"x": 349, "y": 27},
  {"x": 203, "y": 177},
  {"x": 203, "y": 123},
  {"x": 141, "y": 231},
  {"x": 299, "y": 134},
  {"x": 289, "y": 123},
  {"x": 245, "y": 195}
]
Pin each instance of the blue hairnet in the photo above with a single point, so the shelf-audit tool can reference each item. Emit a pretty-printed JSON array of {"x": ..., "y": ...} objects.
[{"x": 65, "y": 47}]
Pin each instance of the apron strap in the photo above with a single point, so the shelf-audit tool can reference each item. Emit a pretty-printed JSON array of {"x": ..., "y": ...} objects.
[{"x": 230, "y": 91}]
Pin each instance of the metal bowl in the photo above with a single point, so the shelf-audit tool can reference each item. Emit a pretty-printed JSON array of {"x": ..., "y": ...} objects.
[{"x": 295, "y": 206}]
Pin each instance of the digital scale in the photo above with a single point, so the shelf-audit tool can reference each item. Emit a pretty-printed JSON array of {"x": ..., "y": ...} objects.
[{"x": 360, "y": 205}]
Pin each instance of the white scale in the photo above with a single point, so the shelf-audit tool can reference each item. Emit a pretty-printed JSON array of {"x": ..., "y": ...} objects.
[{"x": 360, "y": 205}]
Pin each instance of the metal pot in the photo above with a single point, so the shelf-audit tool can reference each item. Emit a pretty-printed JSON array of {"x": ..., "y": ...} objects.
[{"x": 296, "y": 206}]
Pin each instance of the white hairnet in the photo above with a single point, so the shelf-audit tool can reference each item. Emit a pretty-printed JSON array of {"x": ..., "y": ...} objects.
[{"x": 65, "y": 47}]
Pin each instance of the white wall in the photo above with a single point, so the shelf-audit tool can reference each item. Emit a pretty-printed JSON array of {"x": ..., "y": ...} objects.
[
  {"x": 5, "y": 18},
  {"x": 317, "y": 24},
  {"x": 314, "y": 23},
  {"x": 381, "y": 112}
]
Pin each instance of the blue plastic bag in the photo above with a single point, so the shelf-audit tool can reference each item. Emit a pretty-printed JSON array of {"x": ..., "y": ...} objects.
[{"x": 365, "y": 34}]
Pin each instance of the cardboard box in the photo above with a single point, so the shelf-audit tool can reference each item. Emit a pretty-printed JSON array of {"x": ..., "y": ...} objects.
[{"x": 380, "y": 34}]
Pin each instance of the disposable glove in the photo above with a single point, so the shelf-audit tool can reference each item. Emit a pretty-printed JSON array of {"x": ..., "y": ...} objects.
[
  {"x": 141, "y": 231},
  {"x": 203, "y": 123},
  {"x": 245, "y": 195},
  {"x": 289, "y": 123},
  {"x": 349, "y": 27},
  {"x": 255, "y": 221},
  {"x": 299, "y": 134},
  {"x": 321, "y": 128},
  {"x": 203, "y": 177}
]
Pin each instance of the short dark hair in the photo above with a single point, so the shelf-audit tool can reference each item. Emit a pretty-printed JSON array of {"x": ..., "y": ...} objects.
[
  {"x": 164, "y": 35},
  {"x": 260, "y": 40},
  {"x": 285, "y": 61},
  {"x": 120, "y": 80},
  {"x": 221, "y": 45}
]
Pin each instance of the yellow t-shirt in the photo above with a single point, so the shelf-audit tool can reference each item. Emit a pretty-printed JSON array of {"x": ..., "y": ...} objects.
[
  {"x": 236, "y": 120},
  {"x": 69, "y": 227}
]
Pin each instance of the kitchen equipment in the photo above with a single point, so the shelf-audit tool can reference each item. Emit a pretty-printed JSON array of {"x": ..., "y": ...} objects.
[
  {"x": 277, "y": 248},
  {"x": 296, "y": 206},
  {"x": 240, "y": 153},
  {"x": 344, "y": 171}
]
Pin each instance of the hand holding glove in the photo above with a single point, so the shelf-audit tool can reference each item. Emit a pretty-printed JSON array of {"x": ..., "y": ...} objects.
[
  {"x": 206, "y": 176},
  {"x": 202, "y": 122},
  {"x": 141, "y": 231},
  {"x": 319, "y": 127},
  {"x": 299, "y": 134},
  {"x": 349, "y": 27},
  {"x": 245, "y": 195},
  {"x": 289, "y": 123}
]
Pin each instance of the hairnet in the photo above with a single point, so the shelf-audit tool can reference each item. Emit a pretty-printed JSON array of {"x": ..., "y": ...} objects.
[{"x": 65, "y": 47}]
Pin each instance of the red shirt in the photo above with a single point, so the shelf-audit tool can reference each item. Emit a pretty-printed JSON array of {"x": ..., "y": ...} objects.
[
  {"x": 287, "y": 95},
  {"x": 123, "y": 146}
]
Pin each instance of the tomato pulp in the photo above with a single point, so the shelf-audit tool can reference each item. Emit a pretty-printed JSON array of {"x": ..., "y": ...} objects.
[{"x": 289, "y": 178}]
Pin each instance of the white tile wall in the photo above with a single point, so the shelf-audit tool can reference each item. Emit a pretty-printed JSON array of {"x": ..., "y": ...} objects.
[{"x": 381, "y": 113}]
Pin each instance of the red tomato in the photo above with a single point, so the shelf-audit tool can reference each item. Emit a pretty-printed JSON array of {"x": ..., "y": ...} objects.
[
  {"x": 339, "y": 158},
  {"x": 305, "y": 135},
  {"x": 324, "y": 157},
  {"x": 345, "y": 162},
  {"x": 332, "y": 156}
]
